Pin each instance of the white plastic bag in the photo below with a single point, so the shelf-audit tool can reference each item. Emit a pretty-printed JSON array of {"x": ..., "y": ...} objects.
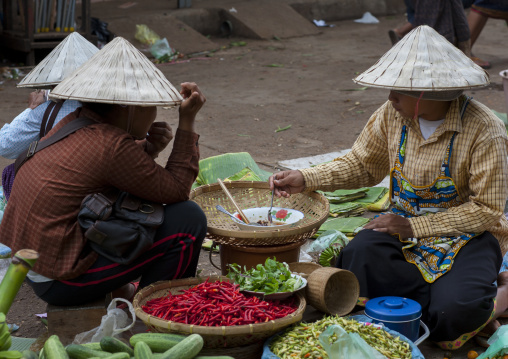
[{"x": 113, "y": 323}]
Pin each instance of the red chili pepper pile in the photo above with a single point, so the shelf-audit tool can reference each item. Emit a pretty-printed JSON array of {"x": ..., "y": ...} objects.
[{"x": 217, "y": 304}]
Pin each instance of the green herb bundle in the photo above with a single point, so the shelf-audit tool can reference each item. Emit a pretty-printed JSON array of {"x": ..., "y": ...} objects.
[{"x": 272, "y": 277}]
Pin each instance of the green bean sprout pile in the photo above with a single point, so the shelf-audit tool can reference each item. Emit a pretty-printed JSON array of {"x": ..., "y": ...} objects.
[{"x": 302, "y": 340}]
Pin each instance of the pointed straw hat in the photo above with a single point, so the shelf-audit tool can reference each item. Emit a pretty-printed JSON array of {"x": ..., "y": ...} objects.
[
  {"x": 424, "y": 61},
  {"x": 118, "y": 74},
  {"x": 70, "y": 54}
]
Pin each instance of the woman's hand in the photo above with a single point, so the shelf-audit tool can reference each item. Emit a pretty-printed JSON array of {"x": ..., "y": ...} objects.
[
  {"x": 159, "y": 136},
  {"x": 392, "y": 224},
  {"x": 36, "y": 98},
  {"x": 192, "y": 103},
  {"x": 287, "y": 183}
]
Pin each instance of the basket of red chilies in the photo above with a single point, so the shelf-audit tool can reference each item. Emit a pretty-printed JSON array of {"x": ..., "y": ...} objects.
[{"x": 214, "y": 308}]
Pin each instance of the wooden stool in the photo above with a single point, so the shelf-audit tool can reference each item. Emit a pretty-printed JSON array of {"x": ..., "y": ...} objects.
[{"x": 67, "y": 322}]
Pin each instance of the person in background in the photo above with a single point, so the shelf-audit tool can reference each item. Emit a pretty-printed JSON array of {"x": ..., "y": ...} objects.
[
  {"x": 42, "y": 114},
  {"x": 445, "y": 153},
  {"x": 447, "y": 17},
  {"x": 122, "y": 88},
  {"x": 481, "y": 11},
  {"x": 71, "y": 53}
]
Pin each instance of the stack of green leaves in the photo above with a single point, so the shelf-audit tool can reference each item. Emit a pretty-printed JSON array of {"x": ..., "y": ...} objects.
[
  {"x": 346, "y": 209},
  {"x": 373, "y": 195},
  {"x": 345, "y": 195},
  {"x": 350, "y": 225},
  {"x": 272, "y": 277}
]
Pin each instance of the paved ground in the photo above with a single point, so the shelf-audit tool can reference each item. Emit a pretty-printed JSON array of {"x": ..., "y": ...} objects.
[{"x": 253, "y": 90}]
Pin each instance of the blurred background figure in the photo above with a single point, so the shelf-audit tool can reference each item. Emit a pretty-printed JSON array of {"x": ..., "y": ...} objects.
[
  {"x": 447, "y": 17},
  {"x": 481, "y": 11}
]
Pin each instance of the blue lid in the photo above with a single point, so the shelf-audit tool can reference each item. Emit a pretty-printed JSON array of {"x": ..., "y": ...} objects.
[{"x": 397, "y": 309}]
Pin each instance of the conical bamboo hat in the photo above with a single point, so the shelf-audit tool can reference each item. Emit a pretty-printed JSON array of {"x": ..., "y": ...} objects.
[
  {"x": 70, "y": 54},
  {"x": 118, "y": 74},
  {"x": 424, "y": 61}
]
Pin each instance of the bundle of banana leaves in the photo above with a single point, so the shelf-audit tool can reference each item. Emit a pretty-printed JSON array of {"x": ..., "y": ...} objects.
[
  {"x": 345, "y": 195},
  {"x": 346, "y": 209}
]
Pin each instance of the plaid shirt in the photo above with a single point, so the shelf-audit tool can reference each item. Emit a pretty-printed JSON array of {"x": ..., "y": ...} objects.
[
  {"x": 48, "y": 190},
  {"x": 478, "y": 166}
]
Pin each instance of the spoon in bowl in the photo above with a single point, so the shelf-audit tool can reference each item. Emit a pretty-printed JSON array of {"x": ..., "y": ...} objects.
[
  {"x": 223, "y": 210},
  {"x": 270, "y": 210}
]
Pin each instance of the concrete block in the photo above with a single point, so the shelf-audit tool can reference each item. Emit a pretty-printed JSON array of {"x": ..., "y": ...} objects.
[{"x": 268, "y": 19}]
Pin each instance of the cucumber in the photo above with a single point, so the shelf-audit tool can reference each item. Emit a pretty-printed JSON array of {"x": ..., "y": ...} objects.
[
  {"x": 10, "y": 354},
  {"x": 120, "y": 355},
  {"x": 78, "y": 351},
  {"x": 54, "y": 349},
  {"x": 28, "y": 354},
  {"x": 186, "y": 349},
  {"x": 114, "y": 345},
  {"x": 157, "y": 342},
  {"x": 94, "y": 345},
  {"x": 142, "y": 351}
]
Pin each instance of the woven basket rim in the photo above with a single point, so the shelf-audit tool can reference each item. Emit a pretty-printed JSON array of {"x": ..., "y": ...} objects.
[
  {"x": 278, "y": 233},
  {"x": 167, "y": 325}
]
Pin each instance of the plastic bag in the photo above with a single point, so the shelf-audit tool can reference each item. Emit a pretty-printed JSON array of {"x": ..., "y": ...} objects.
[
  {"x": 498, "y": 343},
  {"x": 145, "y": 35},
  {"x": 161, "y": 49},
  {"x": 325, "y": 239},
  {"x": 113, "y": 323},
  {"x": 347, "y": 345}
]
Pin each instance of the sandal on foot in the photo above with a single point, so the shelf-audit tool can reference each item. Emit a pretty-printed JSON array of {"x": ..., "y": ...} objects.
[
  {"x": 393, "y": 37},
  {"x": 482, "y": 63},
  {"x": 124, "y": 305}
]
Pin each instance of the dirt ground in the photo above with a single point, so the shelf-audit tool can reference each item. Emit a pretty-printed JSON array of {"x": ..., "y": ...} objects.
[{"x": 253, "y": 90}]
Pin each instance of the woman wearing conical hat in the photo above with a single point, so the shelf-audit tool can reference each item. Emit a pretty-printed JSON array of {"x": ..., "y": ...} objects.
[
  {"x": 120, "y": 90},
  {"x": 446, "y": 155},
  {"x": 42, "y": 114},
  {"x": 71, "y": 53}
]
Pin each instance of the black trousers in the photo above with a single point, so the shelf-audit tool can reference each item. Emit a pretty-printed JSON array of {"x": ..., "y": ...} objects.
[
  {"x": 459, "y": 302},
  {"x": 174, "y": 254}
]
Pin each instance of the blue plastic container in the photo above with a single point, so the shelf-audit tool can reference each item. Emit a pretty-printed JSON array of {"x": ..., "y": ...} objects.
[{"x": 397, "y": 313}]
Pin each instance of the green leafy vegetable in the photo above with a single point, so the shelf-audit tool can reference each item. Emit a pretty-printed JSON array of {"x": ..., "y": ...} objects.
[{"x": 272, "y": 277}]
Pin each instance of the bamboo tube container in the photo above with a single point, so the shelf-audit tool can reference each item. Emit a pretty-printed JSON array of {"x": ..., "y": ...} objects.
[{"x": 21, "y": 263}]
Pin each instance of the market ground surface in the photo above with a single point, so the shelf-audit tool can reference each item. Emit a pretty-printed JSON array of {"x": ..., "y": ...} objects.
[{"x": 303, "y": 84}]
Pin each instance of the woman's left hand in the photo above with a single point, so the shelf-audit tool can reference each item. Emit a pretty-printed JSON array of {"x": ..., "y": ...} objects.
[
  {"x": 391, "y": 224},
  {"x": 159, "y": 136}
]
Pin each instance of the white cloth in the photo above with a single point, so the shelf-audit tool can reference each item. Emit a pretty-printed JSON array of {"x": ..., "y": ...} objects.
[{"x": 428, "y": 127}]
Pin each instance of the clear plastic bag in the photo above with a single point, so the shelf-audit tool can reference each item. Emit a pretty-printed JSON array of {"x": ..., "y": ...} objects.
[
  {"x": 326, "y": 239},
  {"x": 115, "y": 322},
  {"x": 347, "y": 345}
]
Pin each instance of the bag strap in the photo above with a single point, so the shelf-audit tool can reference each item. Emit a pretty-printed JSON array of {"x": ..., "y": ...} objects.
[
  {"x": 47, "y": 120},
  {"x": 66, "y": 130}
]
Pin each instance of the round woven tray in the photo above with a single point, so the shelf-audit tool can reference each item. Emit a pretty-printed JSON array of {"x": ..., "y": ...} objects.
[
  {"x": 214, "y": 337},
  {"x": 223, "y": 230}
]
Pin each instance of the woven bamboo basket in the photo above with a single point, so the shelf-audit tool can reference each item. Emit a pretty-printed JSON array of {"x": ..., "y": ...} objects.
[
  {"x": 303, "y": 268},
  {"x": 332, "y": 290},
  {"x": 223, "y": 230},
  {"x": 214, "y": 337}
]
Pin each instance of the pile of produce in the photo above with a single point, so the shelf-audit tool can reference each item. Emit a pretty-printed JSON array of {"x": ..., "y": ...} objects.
[
  {"x": 217, "y": 304},
  {"x": 272, "y": 277},
  {"x": 142, "y": 346},
  {"x": 302, "y": 340}
]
